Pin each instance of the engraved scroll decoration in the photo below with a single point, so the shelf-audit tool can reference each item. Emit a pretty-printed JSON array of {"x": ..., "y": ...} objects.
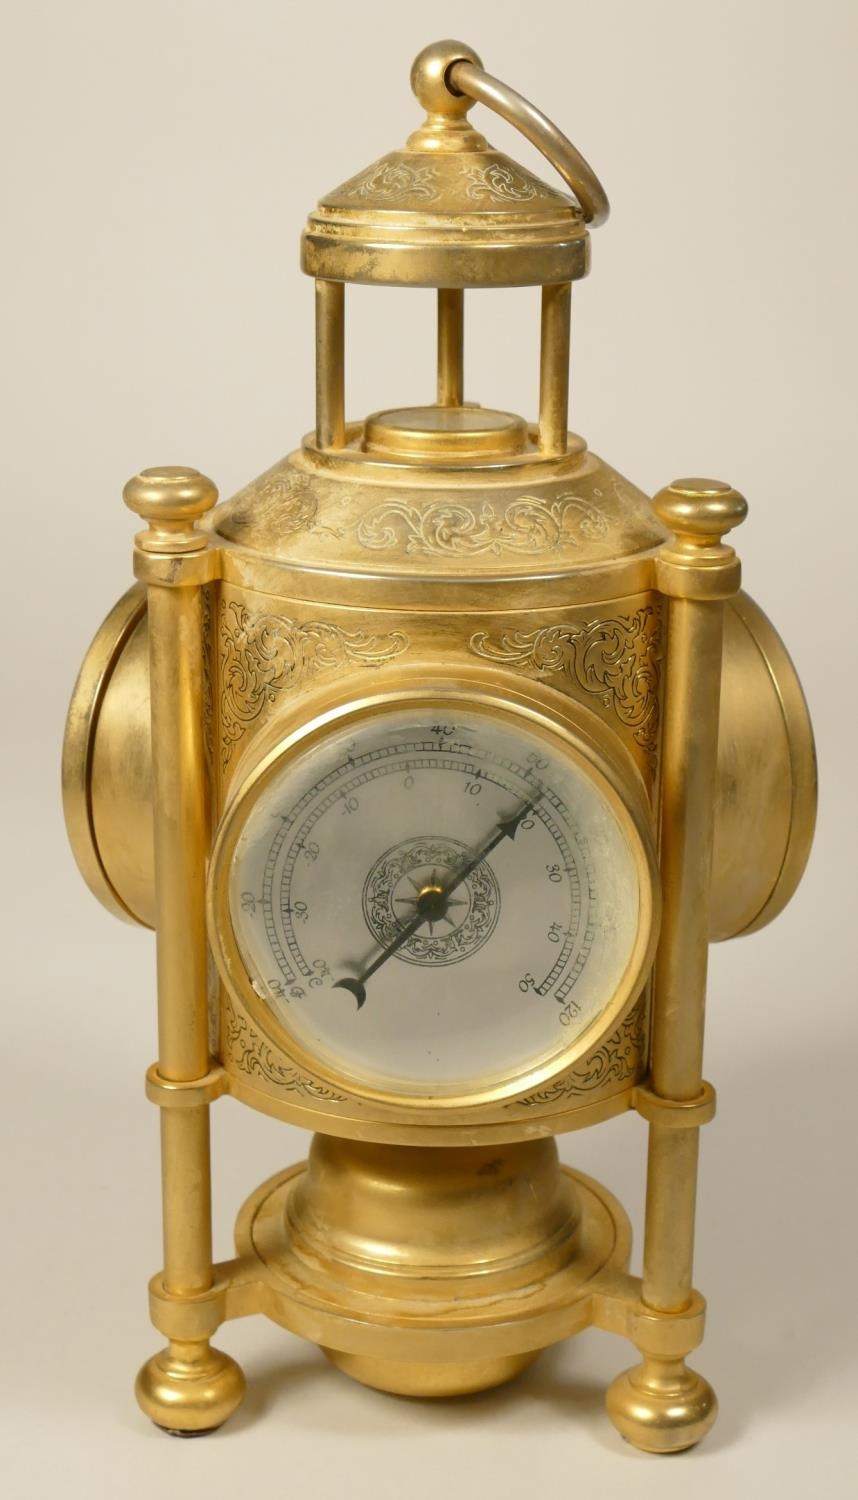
[
  {"x": 247, "y": 1051},
  {"x": 264, "y": 655},
  {"x": 499, "y": 183},
  {"x": 617, "y": 661},
  {"x": 284, "y": 498},
  {"x": 526, "y": 525},
  {"x": 392, "y": 182},
  {"x": 619, "y": 1059},
  {"x": 397, "y": 181},
  {"x": 208, "y": 685}
]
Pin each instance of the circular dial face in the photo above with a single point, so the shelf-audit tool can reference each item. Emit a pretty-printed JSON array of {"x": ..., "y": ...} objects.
[{"x": 434, "y": 903}]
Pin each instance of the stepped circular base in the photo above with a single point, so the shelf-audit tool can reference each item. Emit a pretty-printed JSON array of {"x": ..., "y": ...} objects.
[{"x": 430, "y": 1271}]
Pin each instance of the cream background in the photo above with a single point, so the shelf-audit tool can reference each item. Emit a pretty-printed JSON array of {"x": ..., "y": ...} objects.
[{"x": 159, "y": 161}]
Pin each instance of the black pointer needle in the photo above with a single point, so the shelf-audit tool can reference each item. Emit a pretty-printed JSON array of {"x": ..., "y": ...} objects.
[
  {"x": 505, "y": 830},
  {"x": 357, "y": 987}
]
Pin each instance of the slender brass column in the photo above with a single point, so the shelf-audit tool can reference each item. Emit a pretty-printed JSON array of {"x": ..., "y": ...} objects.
[
  {"x": 690, "y": 744},
  {"x": 175, "y": 666},
  {"x": 451, "y": 346},
  {"x": 554, "y": 368},
  {"x": 188, "y": 1387},
  {"x": 330, "y": 364},
  {"x": 181, "y": 842},
  {"x": 662, "y": 1405}
]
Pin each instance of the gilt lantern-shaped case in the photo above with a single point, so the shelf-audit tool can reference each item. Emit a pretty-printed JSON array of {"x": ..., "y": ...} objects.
[{"x": 436, "y": 757}]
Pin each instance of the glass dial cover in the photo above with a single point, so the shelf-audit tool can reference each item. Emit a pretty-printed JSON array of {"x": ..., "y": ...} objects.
[{"x": 434, "y": 903}]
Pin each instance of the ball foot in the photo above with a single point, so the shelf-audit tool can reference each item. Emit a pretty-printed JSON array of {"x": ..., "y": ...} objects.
[
  {"x": 189, "y": 1389},
  {"x": 661, "y": 1406}
]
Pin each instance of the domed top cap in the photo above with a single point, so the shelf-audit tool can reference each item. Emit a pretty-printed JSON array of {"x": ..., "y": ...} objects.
[{"x": 450, "y": 211}]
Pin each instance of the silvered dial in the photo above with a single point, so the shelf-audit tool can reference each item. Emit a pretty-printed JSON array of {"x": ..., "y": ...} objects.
[{"x": 434, "y": 905}]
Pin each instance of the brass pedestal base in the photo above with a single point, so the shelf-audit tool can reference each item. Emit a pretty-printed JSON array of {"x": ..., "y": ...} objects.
[{"x": 429, "y": 1271}]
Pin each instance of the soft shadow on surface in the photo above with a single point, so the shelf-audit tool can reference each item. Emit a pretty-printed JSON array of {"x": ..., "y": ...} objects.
[
  {"x": 270, "y": 1383},
  {"x": 548, "y": 1392},
  {"x": 771, "y": 1211}
]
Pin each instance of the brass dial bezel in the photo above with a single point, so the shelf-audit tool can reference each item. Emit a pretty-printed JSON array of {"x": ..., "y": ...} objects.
[{"x": 570, "y": 729}]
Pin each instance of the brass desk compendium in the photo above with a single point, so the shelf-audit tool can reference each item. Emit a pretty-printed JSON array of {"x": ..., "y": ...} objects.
[{"x": 436, "y": 757}]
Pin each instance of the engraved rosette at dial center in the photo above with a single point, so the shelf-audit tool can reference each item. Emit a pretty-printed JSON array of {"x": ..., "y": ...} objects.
[{"x": 413, "y": 877}]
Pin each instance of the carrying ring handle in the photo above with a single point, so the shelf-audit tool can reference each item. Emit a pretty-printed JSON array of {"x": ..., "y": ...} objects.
[
  {"x": 466, "y": 78},
  {"x": 448, "y": 77}
]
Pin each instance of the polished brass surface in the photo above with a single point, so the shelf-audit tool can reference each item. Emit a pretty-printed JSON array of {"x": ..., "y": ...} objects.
[
  {"x": 185, "y": 1093},
  {"x": 571, "y": 522},
  {"x": 451, "y": 346},
  {"x": 766, "y": 801},
  {"x": 439, "y": 556},
  {"x": 185, "y": 1387},
  {"x": 172, "y": 500},
  {"x": 449, "y": 211},
  {"x": 657, "y": 1407},
  {"x": 401, "y": 1378},
  {"x": 189, "y": 1387},
  {"x": 111, "y": 816},
  {"x": 398, "y": 246},
  {"x": 434, "y": 1271},
  {"x": 120, "y": 774},
  {"x": 430, "y": 432},
  {"x": 430, "y": 82},
  {"x": 675, "y": 1114},
  {"x": 554, "y": 369},
  {"x": 765, "y": 794},
  {"x": 469, "y": 78},
  {"x": 348, "y": 1211},
  {"x": 383, "y": 1114},
  {"x": 330, "y": 364},
  {"x": 662, "y": 1406}
]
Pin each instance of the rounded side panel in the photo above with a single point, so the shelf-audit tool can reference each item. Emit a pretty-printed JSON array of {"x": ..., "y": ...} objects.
[
  {"x": 107, "y": 765},
  {"x": 765, "y": 810}
]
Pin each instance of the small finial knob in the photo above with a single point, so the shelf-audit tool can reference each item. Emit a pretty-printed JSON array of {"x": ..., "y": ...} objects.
[
  {"x": 171, "y": 499},
  {"x": 696, "y": 562},
  {"x": 702, "y": 510},
  {"x": 429, "y": 77}
]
